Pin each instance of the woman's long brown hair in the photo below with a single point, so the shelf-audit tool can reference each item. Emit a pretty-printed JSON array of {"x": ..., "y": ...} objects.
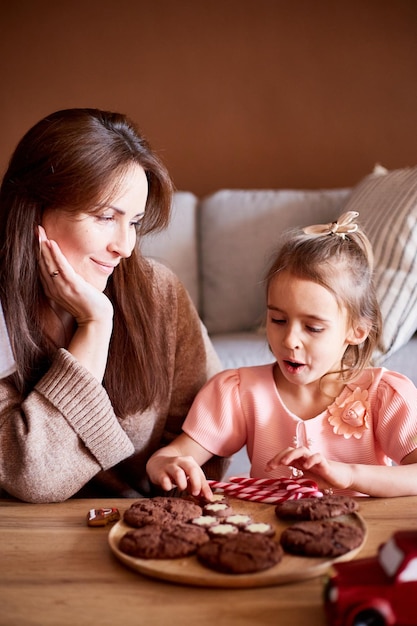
[{"x": 70, "y": 159}]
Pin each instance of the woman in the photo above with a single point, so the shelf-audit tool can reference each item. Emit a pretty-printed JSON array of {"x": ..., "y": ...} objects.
[{"x": 109, "y": 350}]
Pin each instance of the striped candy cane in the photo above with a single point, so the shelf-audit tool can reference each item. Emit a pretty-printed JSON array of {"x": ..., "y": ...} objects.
[
  {"x": 267, "y": 490},
  {"x": 274, "y": 482}
]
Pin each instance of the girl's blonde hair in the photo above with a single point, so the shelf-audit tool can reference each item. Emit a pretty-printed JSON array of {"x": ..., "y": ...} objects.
[{"x": 337, "y": 256}]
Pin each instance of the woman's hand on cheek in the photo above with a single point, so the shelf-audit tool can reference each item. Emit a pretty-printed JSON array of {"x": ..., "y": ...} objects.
[{"x": 67, "y": 288}]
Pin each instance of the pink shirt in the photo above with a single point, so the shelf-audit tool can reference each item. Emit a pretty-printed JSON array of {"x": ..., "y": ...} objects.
[{"x": 243, "y": 407}]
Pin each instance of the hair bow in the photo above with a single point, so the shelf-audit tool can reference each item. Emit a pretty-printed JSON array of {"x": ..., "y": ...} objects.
[{"x": 342, "y": 227}]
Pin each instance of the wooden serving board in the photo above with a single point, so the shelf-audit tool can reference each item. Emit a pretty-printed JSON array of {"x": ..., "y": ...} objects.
[{"x": 189, "y": 571}]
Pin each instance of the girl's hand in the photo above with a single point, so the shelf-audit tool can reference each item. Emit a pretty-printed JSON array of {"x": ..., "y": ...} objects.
[
  {"x": 178, "y": 471},
  {"x": 330, "y": 473},
  {"x": 67, "y": 288}
]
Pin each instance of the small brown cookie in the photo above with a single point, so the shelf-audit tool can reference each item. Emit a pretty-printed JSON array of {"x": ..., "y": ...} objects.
[
  {"x": 240, "y": 554},
  {"x": 219, "y": 509},
  {"x": 222, "y": 530},
  {"x": 239, "y": 520},
  {"x": 205, "y": 521},
  {"x": 261, "y": 528},
  {"x": 160, "y": 510},
  {"x": 325, "y": 538},
  {"x": 102, "y": 517},
  {"x": 202, "y": 500},
  {"x": 316, "y": 508},
  {"x": 220, "y": 497},
  {"x": 163, "y": 542}
]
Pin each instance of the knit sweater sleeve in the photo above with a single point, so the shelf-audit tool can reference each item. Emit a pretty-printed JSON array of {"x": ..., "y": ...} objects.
[{"x": 60, "y": 436}]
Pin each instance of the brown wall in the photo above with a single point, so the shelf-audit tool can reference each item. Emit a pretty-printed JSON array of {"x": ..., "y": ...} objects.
[{"x": 232, "y": 93}]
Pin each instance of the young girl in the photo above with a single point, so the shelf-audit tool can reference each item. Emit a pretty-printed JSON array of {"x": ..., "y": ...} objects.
[
  {"x": 320, "y": 409},
  {"x": 109, "y": 351}
]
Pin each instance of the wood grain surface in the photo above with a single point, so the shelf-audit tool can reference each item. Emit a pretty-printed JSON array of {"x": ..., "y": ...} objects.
[{"x": 56, "y": 570}]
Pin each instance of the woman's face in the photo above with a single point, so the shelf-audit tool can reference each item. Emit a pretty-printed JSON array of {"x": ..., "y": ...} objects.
[{"x": 95, "y": 243}]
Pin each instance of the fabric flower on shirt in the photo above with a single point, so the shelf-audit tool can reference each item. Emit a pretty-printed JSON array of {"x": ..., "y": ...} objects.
[{"x": 349, "y": 417}]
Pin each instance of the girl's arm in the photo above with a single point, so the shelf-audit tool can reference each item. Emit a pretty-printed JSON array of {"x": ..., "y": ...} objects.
[
  {"x": 178, "y": 465},
  {"x": 373, "y": 480}
]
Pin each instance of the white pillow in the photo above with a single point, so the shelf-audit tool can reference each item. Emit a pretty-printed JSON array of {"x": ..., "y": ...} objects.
[
  {"x": 387, "y": 206},
  {"x": 239, "y": 231},
  {"x": 176, "y": 246}
]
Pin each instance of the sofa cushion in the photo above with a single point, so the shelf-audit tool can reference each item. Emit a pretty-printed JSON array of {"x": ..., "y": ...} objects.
[
  {"x": 176, "y": 246},
  {"x": 387, "y": 206},
  {"x": 239, "y": 230},
  {"x": 242, "y": 349}
]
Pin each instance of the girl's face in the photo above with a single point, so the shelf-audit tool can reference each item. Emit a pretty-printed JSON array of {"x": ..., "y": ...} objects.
[
  {"x": 95, "y": 243},
  {"x": 307, "y": 331}
]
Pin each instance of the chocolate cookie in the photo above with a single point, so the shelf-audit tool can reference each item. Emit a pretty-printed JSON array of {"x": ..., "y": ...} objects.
[
  {"x": 316, "y": 508},
  {"x": 260, "y": 528},
  {"x": 222, "y": 530},
  {"x": 220, "y": 497},
  {"x": 239, "y": 520},
  {"x": 240, "y": 554},
  {"x": 163, "y": 542},
  {"x": 160, "y": 510},
  {"x": 326, "y": 538},
  {"x": 205, "y": 521},
  {"x": 218, "y": 509}
]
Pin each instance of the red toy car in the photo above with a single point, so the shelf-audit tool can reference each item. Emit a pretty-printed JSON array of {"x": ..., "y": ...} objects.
[{"x": 376, "y": 591}]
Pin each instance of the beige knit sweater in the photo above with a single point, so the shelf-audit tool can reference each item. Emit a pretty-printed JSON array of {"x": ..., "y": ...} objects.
[{"x": 64, "y": 438}]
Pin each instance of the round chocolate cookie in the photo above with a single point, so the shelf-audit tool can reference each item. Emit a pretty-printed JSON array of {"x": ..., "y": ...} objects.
[
  {"x": 260, "y": 528},
  {"x": 205, "y": 521},
  {"x": 316, "y": 508},
  {"x": 163, "y": 542},
  {"x": 240, "y": 554},
  {"x": 325, "y": 538},
  {"x": 218, "y": 509},
  {"x": 238, "y": 520},
  {"x": 222, "y": 530},
  {"x": 160, "y": 510},
  {"x": 217, "y": 497},
  {"x": 220, "y": 497}
]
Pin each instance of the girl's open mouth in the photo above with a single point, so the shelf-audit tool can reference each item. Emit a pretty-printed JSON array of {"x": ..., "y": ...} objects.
[{"x": 293, "y": 366}]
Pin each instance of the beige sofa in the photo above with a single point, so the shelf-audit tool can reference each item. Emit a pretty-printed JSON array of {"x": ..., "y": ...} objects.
[{"x": 221, "y": 245}]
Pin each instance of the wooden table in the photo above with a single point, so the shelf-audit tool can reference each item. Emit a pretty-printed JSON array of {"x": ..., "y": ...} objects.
[{"x": 55, "y": 570}]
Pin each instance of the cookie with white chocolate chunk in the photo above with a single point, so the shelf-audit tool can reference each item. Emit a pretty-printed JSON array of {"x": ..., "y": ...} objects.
[
  {"x": 239, "y": 519},
  {"x": 261, "y": 528},
  {"x": 222, "y": 530},
  {"x": 218, "y": 509},
  {"x": 205, "y": 521}
]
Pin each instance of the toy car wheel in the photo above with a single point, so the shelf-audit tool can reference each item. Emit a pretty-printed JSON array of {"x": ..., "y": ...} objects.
[{"x": 370, "y": 617}]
